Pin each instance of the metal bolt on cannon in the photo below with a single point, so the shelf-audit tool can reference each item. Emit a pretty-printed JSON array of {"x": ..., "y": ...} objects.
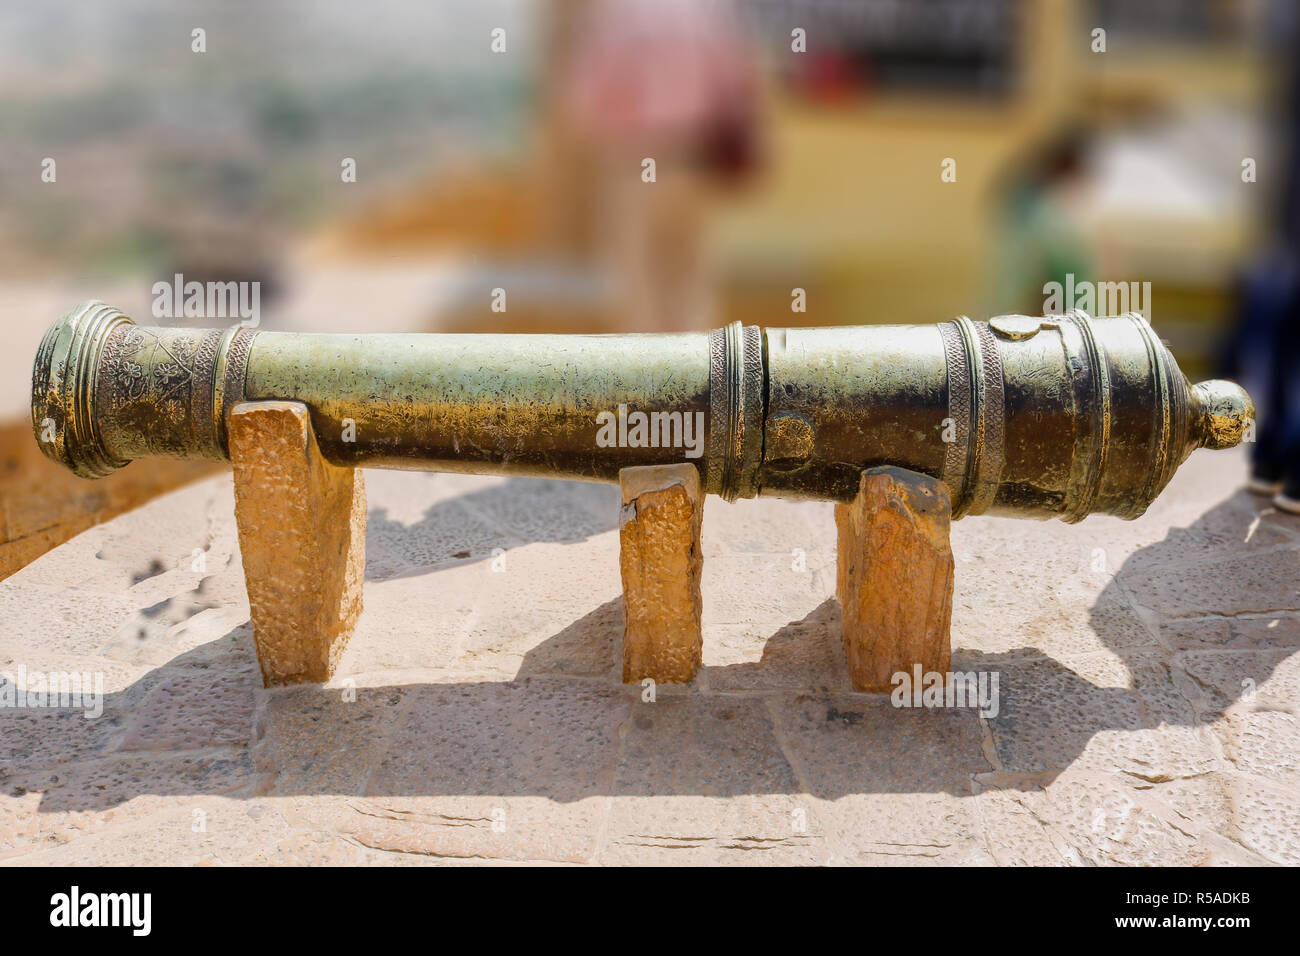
[{"x": 1032, "y": 417}]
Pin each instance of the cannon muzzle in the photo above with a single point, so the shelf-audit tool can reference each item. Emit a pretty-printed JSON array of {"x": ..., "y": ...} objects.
[{"x": 1034, "y": 417}]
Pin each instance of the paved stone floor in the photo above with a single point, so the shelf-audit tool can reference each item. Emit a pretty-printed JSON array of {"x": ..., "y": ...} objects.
[{"x": 1149, "y": 695}]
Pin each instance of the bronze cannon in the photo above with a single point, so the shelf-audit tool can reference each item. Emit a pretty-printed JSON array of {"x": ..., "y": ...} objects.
[{"x": 1059, "y": 415}]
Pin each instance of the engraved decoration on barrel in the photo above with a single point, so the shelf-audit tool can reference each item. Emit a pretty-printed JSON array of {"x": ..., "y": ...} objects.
[{"x": 156, "y": 385}]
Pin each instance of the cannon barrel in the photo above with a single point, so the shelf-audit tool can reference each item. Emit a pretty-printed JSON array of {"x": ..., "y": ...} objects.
[{"x": 1034, "y": 417}]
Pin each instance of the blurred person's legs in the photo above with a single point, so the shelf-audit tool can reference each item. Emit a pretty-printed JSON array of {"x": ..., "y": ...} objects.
[
  {"x": 1265, "y": 354},
  {"x": 654, "y": 240},
  {"x": 1286, "y": 433}
]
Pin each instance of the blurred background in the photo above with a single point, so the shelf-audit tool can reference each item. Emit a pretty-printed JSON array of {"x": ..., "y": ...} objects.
[{"x": 480, "y": 165}]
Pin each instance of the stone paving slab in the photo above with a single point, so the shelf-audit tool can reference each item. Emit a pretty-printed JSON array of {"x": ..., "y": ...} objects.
[{"x": 1148, "y": 707}]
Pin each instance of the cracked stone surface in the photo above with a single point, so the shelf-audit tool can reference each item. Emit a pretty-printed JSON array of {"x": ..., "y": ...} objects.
[{"x": 1148, "y": 708}]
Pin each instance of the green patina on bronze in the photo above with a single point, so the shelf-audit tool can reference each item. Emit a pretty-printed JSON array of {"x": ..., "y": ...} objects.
[{"x": 1034, "y": 417}]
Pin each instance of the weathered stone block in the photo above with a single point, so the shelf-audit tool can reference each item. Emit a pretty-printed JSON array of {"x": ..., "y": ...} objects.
[
  {"x": 302, "y": 531},
  {"x": 895, "y": 577},
  {"x": 660, "y": 558}
]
